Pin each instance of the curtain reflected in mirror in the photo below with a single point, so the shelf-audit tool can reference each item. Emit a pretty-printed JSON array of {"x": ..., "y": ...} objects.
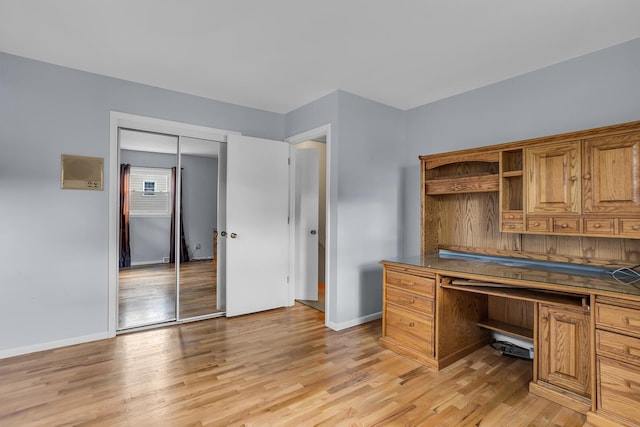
[{"x": 197, "y": 276}]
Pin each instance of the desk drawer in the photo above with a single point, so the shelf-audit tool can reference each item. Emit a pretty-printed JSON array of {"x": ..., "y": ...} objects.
[
  {"x": 620, "y": 319},
  {"x": 410, "y": 300},
  {"x": 512, "y": 226},
  {"x": 411, "y": 283},
  {"x": 618, "y": 346},
  {"x": 566, "y": 225},
  {"x": 538, "y": 223},
  {"x": 511, "y": 216},
  {"x": 629, "y": 227},
  {"x": 410, "y": 329},
  {"x": 599, "y": 226},
  {"x": 618, "y": 389}
]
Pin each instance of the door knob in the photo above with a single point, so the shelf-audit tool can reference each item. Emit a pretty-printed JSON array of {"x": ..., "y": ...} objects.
[
  {"x": 223, "y": 234},
  {"x": 313, "y": 231},
  {"x": 233, "y": 235}
]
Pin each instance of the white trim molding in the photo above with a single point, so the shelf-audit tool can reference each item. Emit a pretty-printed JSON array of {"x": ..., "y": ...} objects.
[
  {"x": 51, "y": 344},
  {"x": 149, "y": 124},
  {"x": 330, "y": 286},
  {"x": 355, "y": 322}
]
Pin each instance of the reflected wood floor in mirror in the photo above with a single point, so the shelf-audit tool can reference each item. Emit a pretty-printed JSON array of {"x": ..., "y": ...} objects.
[
  {"x": 279, "y": 367},
  {"x": 147, "y": 293}
]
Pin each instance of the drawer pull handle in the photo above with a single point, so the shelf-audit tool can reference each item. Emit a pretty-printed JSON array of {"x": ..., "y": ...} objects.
[
  {"x": 631, "y": 322},
  {"x": 597, "y": 225},
  {"x": 412, "y": 301},
  {"x": 536, "y": 224},
  {"x": 635, "y": 227},
  {"x": 406, "y": 282},
  {"x": 564, "y": 225},
  {"x": 512, "y": 226},
  {"x": 632, "y": 385},
  {"x": 632, "y": 351},
  {"x": 587, "y": 176},
  {"x": 574, "y": 178},
  {"x": 411, "y": 324}
]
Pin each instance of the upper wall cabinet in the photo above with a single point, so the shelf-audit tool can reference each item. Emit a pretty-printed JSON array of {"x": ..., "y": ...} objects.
[
  {"x": 584, "y": 183},
  {"x": 585, "y": 187},
  {"x": 553, "y": 178},
  {"x": 611, "y": 172}
]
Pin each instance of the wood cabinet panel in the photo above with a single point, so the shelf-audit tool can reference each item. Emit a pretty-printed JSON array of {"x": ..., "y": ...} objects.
[
  {"x": 410, "y": 300},
  {"x": 409, "y": 328},
  {"x": 564, "y": 356},
  {"x": 627, "y": 349},
  {"x": 618, "y": 389},
  {"x": 618, "y": 319},
  {"x": 552, "y": 173},
  {"x": 409, "y": 282},
  {"x": 611, "y": 172}
]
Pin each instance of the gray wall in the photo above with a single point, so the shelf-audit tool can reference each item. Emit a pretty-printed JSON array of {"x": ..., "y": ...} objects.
[
  {"x": 199, "y": 203},
  {"x": 594, "y": 90},
  {"x": 59, "y": 295},
  {"x": 365, "y": 152}
]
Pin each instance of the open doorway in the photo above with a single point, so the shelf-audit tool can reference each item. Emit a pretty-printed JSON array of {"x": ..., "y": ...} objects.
[{"x": 310, "y": 209}]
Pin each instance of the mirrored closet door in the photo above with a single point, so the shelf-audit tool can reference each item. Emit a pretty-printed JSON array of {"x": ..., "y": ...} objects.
[
  {"x": 168, "y": 217},
  {"x": 197, "y": 276}
]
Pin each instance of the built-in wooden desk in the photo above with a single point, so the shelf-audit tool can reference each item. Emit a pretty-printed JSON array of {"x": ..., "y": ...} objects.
[{"x": 584, "y": 325}]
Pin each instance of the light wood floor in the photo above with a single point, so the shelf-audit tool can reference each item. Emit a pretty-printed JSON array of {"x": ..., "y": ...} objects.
[
  {"x": 147, "y": 294},
  {"x": 280, "y": 367}
]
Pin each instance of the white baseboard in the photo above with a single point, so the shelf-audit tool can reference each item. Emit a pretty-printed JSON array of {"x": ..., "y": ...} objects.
[
  {"x": 137, "y": 263},
  {"x": 51, "y": 344},
  {"x": 354, "y": 322}
]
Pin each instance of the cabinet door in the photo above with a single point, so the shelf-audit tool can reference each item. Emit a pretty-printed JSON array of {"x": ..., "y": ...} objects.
[
  {"x": 611, "y": 168},
  {"x": 563, "y": 347},
  {"x": 552, "y": 173}
]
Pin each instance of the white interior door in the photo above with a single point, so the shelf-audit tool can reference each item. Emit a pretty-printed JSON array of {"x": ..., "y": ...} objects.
[
  {"x": 257, "y": 241},
  {"x": 306, "y": 222}
]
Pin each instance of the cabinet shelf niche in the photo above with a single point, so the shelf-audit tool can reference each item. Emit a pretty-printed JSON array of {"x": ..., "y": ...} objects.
[
  {"x": 506, "y": 328},
  {"x": 511, "y": 174},
  {"x": 462, "y": 184}
]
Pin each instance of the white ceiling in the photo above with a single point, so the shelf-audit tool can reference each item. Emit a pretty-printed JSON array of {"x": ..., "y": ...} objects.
[{"x": 280, "y": 54}]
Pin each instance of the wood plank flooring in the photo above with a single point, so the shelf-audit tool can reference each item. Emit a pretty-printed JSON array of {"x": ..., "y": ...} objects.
[
  {"x": 147, "y": 294},
  {"x": 280, "y": 367}
]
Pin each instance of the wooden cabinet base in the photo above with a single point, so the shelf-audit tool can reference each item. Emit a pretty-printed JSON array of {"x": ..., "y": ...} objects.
[
  {"x": 431, "y": 362},
  {"x": 600, "y": 420},
  {"x": 409, "y": 352},
  {"x": 556, "y": 394}
]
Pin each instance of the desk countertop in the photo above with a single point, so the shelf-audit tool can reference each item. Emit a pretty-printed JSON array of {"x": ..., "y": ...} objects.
[{"x": 581, "y": 279}]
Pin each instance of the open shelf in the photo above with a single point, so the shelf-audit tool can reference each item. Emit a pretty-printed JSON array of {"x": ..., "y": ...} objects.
[
  {"x": 509, "y": 174},
  {"x": 462, "y": 184},
  {"x": 506, "y": 328}
]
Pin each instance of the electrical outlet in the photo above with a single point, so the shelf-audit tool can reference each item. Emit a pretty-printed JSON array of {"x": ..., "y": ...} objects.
[{"x": 198, "y": 246}]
